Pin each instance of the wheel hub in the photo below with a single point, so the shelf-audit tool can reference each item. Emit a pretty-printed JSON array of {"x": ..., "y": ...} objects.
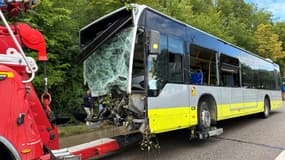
[{"x": 206, "y": 118}]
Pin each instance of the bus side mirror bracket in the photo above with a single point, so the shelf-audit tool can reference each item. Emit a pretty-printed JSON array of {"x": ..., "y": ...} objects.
[{"x": 154, "y": 39}]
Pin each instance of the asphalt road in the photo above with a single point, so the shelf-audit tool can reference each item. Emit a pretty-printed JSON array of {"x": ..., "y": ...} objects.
[{"x": 246, "y": 138}]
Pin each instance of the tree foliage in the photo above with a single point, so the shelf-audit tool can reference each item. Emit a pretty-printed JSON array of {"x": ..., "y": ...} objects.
[
  {"x": 60, "y": 30},
  {"x": 235, "y": 21},
  {"x": 269, "y": 45}
]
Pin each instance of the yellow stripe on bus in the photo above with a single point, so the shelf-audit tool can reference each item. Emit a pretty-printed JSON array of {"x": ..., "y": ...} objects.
[
  {"x": 226, "y": 111},
  {"x": 276, "y": 104},
  {"x": 168, "y": 119}
]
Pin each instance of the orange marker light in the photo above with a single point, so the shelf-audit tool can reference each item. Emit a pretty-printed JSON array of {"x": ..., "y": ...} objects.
[{"x": 26, "y": 150}]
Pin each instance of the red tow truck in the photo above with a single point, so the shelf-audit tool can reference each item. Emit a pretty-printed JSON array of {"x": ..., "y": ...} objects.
[{"x": 27, "y": 131}]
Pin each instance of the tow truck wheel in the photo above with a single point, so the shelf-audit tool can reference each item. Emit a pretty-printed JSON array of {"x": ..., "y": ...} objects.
[
  {"x": 266, "y": 111},
  {"x": 204, "y": 119},
  {"x": 5, "y": 153}
]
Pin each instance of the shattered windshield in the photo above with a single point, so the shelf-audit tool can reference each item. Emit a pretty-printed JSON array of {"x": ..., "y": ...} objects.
[{"x": 108, "y": 66}]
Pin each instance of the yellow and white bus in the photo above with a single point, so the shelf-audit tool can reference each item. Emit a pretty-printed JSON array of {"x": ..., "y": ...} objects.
[{"x": 164, "y": 75}]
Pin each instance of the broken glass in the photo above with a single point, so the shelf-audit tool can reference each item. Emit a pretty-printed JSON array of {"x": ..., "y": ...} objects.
[{"x": 108, "y": 66}]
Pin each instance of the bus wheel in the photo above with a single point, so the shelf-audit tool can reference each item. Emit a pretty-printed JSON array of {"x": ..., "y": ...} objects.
[
  {"x": 266, "y": 111},
  {"x": 204, "y": 119}
]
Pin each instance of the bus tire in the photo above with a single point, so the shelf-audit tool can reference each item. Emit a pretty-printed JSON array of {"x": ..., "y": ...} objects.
[
  {"x": 266, "y": 111},
  {"x": 204, "y": 116}
]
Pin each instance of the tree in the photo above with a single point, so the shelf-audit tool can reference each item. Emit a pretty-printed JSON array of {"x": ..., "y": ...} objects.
[
  {"x": 211, "y": 23},
  {"x": 279, "y": 28},
  {"x": 269, "y": 45}
]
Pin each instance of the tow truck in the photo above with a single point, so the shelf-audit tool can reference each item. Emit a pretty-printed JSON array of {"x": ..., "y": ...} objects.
[{"x": 27, "y": 129}]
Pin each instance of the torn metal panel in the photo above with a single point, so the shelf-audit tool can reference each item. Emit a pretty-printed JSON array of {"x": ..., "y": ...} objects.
[{"x": 95, "y": 34}]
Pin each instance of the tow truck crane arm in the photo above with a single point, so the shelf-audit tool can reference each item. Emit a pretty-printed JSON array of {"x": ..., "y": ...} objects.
[
  {"x": 33, "y": 39},
  {"x": 30, "y": 37}
]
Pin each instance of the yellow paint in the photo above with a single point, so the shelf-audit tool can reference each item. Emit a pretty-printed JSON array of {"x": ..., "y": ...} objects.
[
  {"x": 226, "y": 111},
  {"x": 155, "y": 46},
  {"x": 8, "y": 74},
  {"x": 193, "y": 91},
  {"x": 276, "y": 104},
  {"x": 167, "y": 119},
  {"x": 26, "y": 150}
]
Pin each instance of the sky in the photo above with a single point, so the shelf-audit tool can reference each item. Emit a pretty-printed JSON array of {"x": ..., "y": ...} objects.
[{"x": 276, "y": 7}]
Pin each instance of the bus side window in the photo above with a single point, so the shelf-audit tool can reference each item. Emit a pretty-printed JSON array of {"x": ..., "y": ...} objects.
[
  {"x": 138, "y": 63},
  {"x": 229, "y": 71},
  {"x": 176, "y": 51},
  {"x": 203, "y": 70}
]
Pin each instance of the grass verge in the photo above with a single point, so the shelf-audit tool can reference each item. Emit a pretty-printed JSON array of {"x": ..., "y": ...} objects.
[{"x": 65, "y": 131}]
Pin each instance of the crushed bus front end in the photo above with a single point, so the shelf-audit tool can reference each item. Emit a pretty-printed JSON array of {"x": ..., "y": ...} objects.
[{"x": 107, "y": 52}]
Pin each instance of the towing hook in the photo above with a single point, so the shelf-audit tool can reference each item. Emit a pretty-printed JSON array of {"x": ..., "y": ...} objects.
[{"x": 46, "y": 98}]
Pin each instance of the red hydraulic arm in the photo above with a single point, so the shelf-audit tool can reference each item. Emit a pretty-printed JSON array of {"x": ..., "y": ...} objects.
[{"x": 30, "y": 37}]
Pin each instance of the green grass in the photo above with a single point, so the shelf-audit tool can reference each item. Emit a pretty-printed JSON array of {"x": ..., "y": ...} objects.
[{"x": 65, "y": 131}]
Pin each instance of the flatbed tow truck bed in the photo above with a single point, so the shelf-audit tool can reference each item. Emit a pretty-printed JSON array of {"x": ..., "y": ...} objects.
[{"x": 100, "y": 147}]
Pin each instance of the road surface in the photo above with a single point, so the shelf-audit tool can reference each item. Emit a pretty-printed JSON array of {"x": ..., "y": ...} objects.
[{"x": 246, "y": 138}]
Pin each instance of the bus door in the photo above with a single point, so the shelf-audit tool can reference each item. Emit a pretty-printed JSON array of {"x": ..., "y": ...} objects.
[
  {"x": 168, "y": 103},
  {"x": 249, "y": 83},
  {"x": 230, "y": 80}
]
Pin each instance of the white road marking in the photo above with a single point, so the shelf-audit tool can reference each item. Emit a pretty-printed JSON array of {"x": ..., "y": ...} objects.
[{"x": 281, "y": 156}]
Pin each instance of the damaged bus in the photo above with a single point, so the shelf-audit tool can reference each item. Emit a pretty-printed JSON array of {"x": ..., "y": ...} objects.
[{"x": 161, "y": 74}]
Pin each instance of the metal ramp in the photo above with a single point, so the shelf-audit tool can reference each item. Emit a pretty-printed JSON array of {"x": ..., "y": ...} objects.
[{"x": 93, "y": 149}]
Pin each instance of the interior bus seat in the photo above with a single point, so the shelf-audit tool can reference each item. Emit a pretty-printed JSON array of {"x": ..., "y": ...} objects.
[{"x": 197, "y": 77}]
